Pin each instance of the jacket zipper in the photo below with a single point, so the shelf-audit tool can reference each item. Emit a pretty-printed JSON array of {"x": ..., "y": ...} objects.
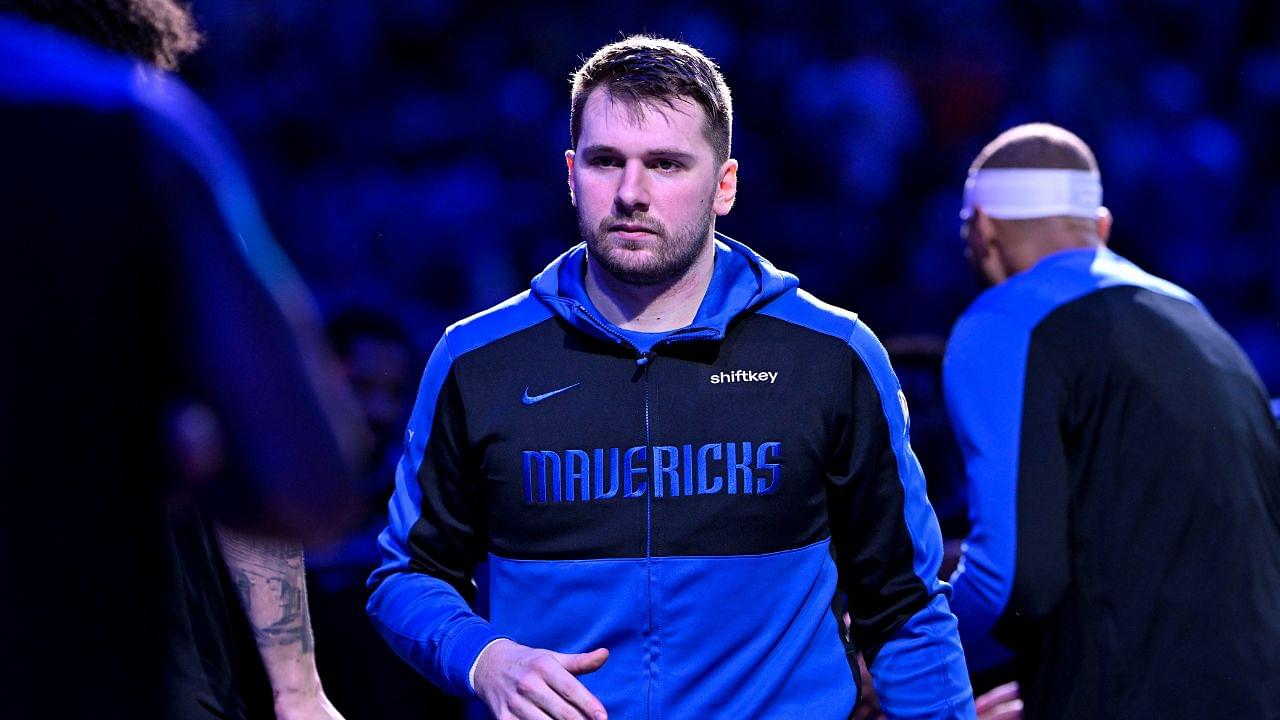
[
  {"x": 643, "y": 358},
  {"x": 643, "y": 362}
]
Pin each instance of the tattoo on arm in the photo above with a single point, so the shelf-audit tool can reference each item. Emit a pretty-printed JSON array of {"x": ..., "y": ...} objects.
[{"x": 270, "y": 581}]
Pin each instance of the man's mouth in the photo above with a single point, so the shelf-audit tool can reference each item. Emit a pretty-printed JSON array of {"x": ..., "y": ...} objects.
[{"x": 631, "y": 228}]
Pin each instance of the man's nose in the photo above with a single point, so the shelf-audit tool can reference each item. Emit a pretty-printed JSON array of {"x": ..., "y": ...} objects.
[{"x": 633, "y": 190}]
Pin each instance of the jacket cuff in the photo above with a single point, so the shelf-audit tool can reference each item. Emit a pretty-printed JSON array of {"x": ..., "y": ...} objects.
[
  {"x": 471, "y": 674},
  {"x": 463, "y": 650}
]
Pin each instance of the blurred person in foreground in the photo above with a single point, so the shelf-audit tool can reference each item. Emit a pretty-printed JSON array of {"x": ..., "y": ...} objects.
[
  {"x": 168, "y": 360},
  {"x": 657, "y": 446},
  {"x": 1124, "y": 468}
]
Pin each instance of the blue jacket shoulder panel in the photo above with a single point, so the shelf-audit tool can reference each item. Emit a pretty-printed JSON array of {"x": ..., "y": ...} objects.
[
  {"x": 1062, "y": 277},
  {"x": 799, "y": 307},
  {"x": 508, "y": 317}
]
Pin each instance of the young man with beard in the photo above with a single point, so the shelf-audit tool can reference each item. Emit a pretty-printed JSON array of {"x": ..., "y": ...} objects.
[
  {"x": 1124, "y": 467},
  {"x": 659, "y": 543}
]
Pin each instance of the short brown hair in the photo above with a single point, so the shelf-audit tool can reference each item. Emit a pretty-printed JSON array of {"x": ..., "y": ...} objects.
[{"x": 644, "y": 69}]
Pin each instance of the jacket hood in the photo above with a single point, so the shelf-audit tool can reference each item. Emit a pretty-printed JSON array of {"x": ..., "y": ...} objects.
[{"x": 741, "y": 281}]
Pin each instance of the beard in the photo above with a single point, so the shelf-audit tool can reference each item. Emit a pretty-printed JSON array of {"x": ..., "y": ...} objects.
[{"x": 670, "y": 255}]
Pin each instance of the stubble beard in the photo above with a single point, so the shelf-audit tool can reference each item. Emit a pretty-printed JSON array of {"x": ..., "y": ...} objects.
[{"x": 668, "y": 260}]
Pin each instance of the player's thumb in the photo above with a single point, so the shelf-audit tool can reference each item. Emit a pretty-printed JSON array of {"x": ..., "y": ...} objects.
[{"x": 582, "y": 663}]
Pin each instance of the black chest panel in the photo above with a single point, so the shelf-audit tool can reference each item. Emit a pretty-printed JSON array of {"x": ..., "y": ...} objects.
[{"x": 710, "y": 448}]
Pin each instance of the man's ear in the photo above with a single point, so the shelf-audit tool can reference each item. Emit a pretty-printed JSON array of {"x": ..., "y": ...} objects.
[
  {"x": 726, "y": 188},
  {"x": 568, "y": 162},
  {"x": 986, "y": 249},
  {"x": 986, "y": 229},
  {"x": 1104, "y": 225}
]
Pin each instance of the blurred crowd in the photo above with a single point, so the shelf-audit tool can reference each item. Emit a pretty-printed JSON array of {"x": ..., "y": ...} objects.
[{"x": 409, "y": 154}]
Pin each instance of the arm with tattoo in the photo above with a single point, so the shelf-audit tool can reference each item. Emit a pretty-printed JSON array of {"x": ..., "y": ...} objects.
[{"x": 270, "y": 582}]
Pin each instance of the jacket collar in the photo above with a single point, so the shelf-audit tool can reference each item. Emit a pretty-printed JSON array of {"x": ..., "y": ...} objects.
[{"x": 741, "y": 281}]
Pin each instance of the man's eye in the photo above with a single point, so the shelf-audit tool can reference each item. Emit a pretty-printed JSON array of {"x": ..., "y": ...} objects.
[
  {"x": 666, "y": 165},
  {"x": 605, "y": 162}
]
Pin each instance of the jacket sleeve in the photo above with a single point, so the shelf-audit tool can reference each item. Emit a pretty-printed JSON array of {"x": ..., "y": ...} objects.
[
  {"x": 434, "y": 539},
  {"x": 889, "y": 549},
  {"x": 1008, "y": 429}
]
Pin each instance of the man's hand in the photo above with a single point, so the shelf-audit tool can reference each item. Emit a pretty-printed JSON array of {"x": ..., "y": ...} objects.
[
  {"x": 1001, "y": 703},
  {"x": 532, "y": 684}
]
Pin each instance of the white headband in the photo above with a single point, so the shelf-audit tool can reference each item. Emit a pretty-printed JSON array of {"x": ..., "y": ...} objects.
[{"x": 1024, "y": 193}]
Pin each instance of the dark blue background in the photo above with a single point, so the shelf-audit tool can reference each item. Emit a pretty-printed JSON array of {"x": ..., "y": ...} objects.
[{"x": 409, "y": 154}]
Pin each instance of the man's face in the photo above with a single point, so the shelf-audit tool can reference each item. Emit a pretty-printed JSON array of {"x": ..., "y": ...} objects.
[{"x": 646, "y": 186}]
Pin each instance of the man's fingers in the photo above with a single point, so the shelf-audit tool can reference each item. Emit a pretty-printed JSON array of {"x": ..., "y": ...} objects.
[
  {"x": 997, "y": 696},
  {"x": 535, "y": 688},
  {"x": 519, "y": 708},
  {"x": 572, "y": 689},
  {"x": 582, "y": 663},
  {"x": 1011, "y": 710}
]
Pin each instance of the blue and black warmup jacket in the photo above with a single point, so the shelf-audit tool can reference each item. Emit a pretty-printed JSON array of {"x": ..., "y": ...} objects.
[
  {"x": 677, "y": 505},
  {"x": 1124, "y": 475}
]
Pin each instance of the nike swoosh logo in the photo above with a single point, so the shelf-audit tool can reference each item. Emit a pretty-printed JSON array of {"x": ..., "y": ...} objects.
[{"x": 531, "y": 399}]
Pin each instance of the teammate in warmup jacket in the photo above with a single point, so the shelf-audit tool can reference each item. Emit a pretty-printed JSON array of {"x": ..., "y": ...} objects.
[{"x": 1124, "y": 466}]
